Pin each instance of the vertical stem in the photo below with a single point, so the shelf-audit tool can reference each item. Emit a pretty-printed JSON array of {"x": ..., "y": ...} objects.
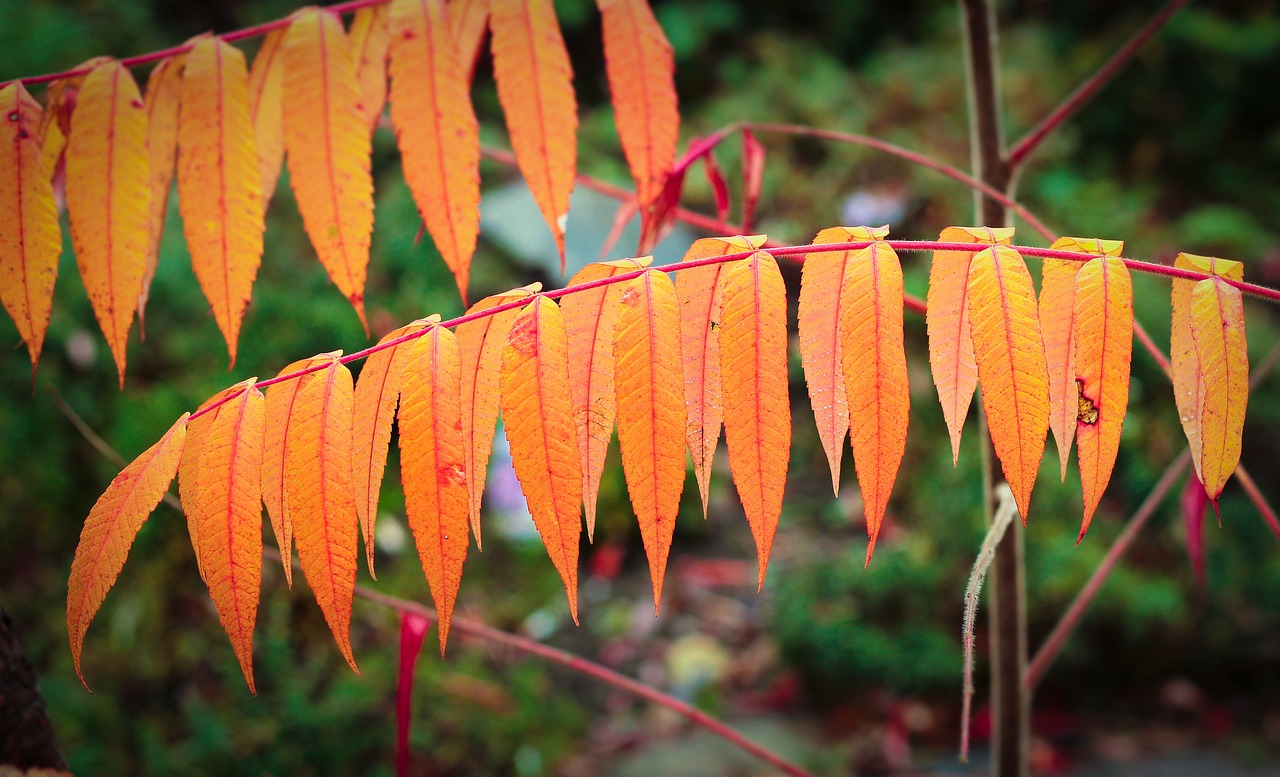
[{"x": 1010, "y": 700}]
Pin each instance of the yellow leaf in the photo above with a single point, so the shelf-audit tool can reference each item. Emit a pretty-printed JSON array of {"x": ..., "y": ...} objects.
[
  {"x": 197, "y": 431},
  {"x": 651, "y": 417},
  {"x": 538, "y": 416},
  {"x": 164, "y": 88},
  {"x": 1217, "y": 327},
  {"x": 1009, "y": 350},
  {"x": 753, "y": 366},
  {"x": 329, "y": 146},
  {"x": 468, "y": 21},
  {"x": 111, "y": 527},
  {"x": 266, "y": 100},
  {"x": 432, "y": 464},
  {"x": 370, "y": 36},
  {"x": 109, "y": 198},
  {"x": 951, "y": 357}
]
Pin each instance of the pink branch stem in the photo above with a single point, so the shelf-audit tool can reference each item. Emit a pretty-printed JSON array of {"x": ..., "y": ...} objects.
[{"x": 1258, "y": 499}]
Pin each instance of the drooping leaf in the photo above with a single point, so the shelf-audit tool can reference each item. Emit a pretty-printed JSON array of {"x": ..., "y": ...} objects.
[
  {"x": 111, "y": 527},
  {"x": 874, "y": 362},
  {"x": 719, "y": 187},
  {"x": 589, "y": 318},
  {"x": 535, "y": 87},
  {"x": 951, "y": 359},
  {"x": 189, "y": 467},
  {"x": 109, "y": 198},
  {"x": 227, "y": 516},
  {"x": 468, "y": 22},
  {"x": 432, "y": 464},
  {"x": 370, "y": 35},
  {"x": 30, "y": 237},
  {"x": 1217, "y": 327},
  {"x": 1193, "y": 502},
  {"x": 437, "y": 130},
  {"x": 752, "y": 177},
  {"x": 164, "y": 89},
  {"x": 376, "y": 394},
  {"x": 218, "y": 182},
  {"x": 413, "y": 628},
  {"x": 52, "y": 143},
  {"x": 651, "y": 414},
  {"x": 641, "y": 70},
  {"x": 480, "y": 346},
  {"x": 1009, "y": 349},
  {"x": 320, "y": 494},
  {"x": 538, "y": 416},
  {"x": 328, "y": 143},
  {"x": 753, "y": 367},
  {"x": 266, "y": 103},
  {"x": 818, "y": 321},
  {"x": 699, "y": 291},
  {"x": 1102, "y": 345}
]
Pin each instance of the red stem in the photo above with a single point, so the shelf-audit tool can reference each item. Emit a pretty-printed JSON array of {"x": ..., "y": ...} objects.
[
  {"x": 1259, "y": 501},
  {"x": 1086, "y": 91}
]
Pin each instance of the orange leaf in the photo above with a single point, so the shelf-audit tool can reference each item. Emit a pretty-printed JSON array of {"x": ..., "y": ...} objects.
[
  {"x": 1188, "y": 390},
  {"x": 320, "y": 495},
  {"x": 821, "y": 287},
  {"x": 468, "y": 21},
  {"x": 437, "y": 130},
  {"x": 218, "y": 183},
  {"x": 190, "y": 495},
  {"x": 266, "y": 100},
  {"x": 651, "y": 417},
  {"x": 538, "y": 415},
  {"x": 753, "y": 366},
  {"x": 109, "y": 198},
  {"x": 480, "y": 346},
  {"x": 111, "y": 527},
  {"x": 30, "y": 237},
  {"x": 164, "y": 87},
  {"x": 432, "y": 464},
  {"x": 641, "y": 71},
  {"x": 699, "y": 292},
  {"x": 589, "y": 318},
  {"x": 875, "y": 375},
  {"x": 1011, "y": 364},
  {"x": 1102, "y": 349},
  {"x": 1217, "y": 326},
  {"x": 1057, "y": 319},
  {"x": 329, "y": 146},
  {"x": 369, "y": 36},
  {"x": 226, "y": 516},
  {"x": 955, "y": 372},
  {"x": 535, "y": 87}
]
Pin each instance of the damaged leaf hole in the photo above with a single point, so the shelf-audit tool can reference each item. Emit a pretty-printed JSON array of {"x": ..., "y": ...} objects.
[{"x": 1086, "y": 411}]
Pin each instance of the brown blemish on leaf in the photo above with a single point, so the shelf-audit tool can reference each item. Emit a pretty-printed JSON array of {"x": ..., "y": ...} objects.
[{"x": 1086, "y": 411}]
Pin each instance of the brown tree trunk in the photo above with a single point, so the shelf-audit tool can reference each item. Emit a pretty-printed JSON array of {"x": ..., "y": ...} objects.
[{"x": 27, "y": 740}]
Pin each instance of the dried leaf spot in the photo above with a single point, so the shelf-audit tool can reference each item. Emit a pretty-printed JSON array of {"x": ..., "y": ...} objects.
[
  {"x": 1086, "y": 410},
  {"x": 13, "y": 116}
]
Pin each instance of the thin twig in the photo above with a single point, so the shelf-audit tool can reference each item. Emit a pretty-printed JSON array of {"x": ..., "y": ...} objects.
[{"x": 1258, "y": 499}]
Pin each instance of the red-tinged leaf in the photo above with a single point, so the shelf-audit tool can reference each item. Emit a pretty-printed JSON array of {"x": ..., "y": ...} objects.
[
  {"x": 1217, "y": 327},
  {"x": 699, "y": 292},
  {"x": 413, "y": 628},
  {"x": 377, "y": 392},
  {"x": 538, "y": 416},
  {"x": 1188, "y": 389},
  {"x": 111, "y": 527},
  {"x": 752, "y": 178},
  {"x": 1102, "y": 345},
  {"x": 535, "y": 87},
  {"x": 437, "y": 130},
  {"x": 266, "y": 101},
  {"x": 955, "y": 372},
  {"x": 719, "y": 187},
  {"x": 480, "y": 346},
  {"x": 468, "y": 23},
  {"x": 281, "y": 413},
  {"x": 662, "y": 211},
  {"x": 190, "y": 495},
  {"x": 433, "y": 466},
  {"x": 218, "y": 184},
  {"x": 822, "y": 284},
  {"x": 1057, "y": 318},
  {"x": 1009, "y": 350},
  {"x": 875, "y": 375},
  {"x": 109, "y": 198},
  {"x": 1193, "y": 502},
  {"x": 641, "y": 70},
  {"x": 164, "y": 89},
  {"x": 52, "y": 143},
  {"x": 753, "y": 366},
  {"x": 370, "y": 35},
  {"x": 318, "y": 489},
  {"x": 621, "y": 217},
  {"x": 328, "y": 142},
  {"x": 226, "y": 514},
  {"x": 651, "y": 414},
  {"x": 30, "y": 237},
  {"x": 589, "y": 318}
]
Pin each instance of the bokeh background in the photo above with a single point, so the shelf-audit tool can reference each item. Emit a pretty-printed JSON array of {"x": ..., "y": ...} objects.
[{"x": 847, "y": 670}]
